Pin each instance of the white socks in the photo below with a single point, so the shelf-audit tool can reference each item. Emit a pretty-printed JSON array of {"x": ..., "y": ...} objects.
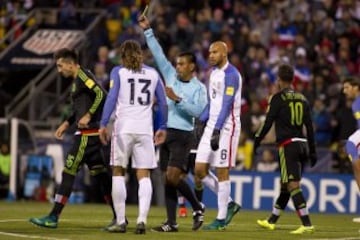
[
  {"x": 145, "y": 194},
  {"x": 119, "y": 197},
  {"x": 212, "y": 183},
  {"x": 223, "y": 196}
]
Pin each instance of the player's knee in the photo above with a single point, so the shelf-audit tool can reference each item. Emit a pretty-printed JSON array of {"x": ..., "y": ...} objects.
[
  {"x": 352, "y": 151},
  {"x": 172, "y": 179},
  {"x": 293, "y": 185}
]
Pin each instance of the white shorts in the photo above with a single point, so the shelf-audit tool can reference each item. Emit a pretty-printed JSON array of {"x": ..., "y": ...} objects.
[
  {"x": 139, "y": 147},
  {"x": 225, "y": 156},
  {"x": 355, "y": 138}
]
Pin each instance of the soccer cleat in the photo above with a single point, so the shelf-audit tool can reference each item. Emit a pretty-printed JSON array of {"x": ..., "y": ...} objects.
[
  {"x": 182, "y": 212},
  {"x": 265, "y": 224},
  {"x": 117, "y": 228},
  {"x": 198, "y": 218},
  {"x": 140, "y": 228},
  {"x": 113, "y": 221},
  {"x": 166, "y": 227},
  {"x": 304, "y": 229},
  {"x": 232, "y": 209},
  {"x": 216, "y": 225},
  {"x": 50, "y": 221}
]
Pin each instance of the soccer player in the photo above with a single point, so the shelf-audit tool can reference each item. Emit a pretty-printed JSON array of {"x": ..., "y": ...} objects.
[
  {"x": 210, "y": 180},
  {"x": 218, "y": 144},
  {"x": 133, "y": 88},
  {"x": 351, "y": 89},
  {"x": 290, "y": 111},
  {"x": 88, "y": 98},
  {"x": 186, "y": 98}
]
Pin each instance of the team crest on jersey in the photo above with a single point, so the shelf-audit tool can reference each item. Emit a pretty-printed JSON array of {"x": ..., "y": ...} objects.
[
  {"x": 90, "y": 83},
  {"x": 48, "y": 41},
  {"x": 357, "y": 115}
]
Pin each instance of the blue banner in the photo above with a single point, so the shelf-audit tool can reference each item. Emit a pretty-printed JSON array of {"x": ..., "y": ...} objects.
[{"x": 325, "y": 193}]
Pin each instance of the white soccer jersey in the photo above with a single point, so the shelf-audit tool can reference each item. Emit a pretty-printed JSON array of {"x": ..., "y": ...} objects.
[
  {"x": 218, "y": 90},
  {"x": 135, "y": 98},
  {"x": 223, "y": 114}
]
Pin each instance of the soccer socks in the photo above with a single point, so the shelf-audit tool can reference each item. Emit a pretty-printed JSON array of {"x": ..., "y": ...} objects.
[
  {"x": 281, "y": 203},
  {"x": 300, "y": 206},
  {"x": 171, "y": 203},
  {"x": 119, "y": 197},
  {"x": 199, "y": 193},
  {"x": 145, "y": 194},
  {"x": 63, "y": 194},
  {"x": 223, "y": 197},
  {"x": 186, "y": 191},
  {"x": 104, "y": 180},
  {"x": 211, "y": 181}
]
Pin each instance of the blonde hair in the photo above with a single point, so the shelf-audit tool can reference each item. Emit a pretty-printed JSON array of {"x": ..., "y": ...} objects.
[{"x": 131, "y": 55}]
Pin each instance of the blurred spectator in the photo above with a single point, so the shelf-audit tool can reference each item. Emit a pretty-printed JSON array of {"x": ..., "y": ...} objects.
[
  {"x": 322, "y": 123},
  {"x": 102, "y": 75},
  {"x": 268, "y": 162},
  {"x": 103, "y": 58},
  {"x": 244, "y": 153}
]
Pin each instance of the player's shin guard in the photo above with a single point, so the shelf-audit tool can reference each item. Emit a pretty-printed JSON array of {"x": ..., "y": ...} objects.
[
  {"x": 300, "y": 206},
  {"x": 280, "y": 205},
  {"x": 63, "y": 194}
]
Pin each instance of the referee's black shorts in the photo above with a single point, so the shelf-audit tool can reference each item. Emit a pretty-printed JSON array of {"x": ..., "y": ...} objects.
[{"x": 175, "y": 150}]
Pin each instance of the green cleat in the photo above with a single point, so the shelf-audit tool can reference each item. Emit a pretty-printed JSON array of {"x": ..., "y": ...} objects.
[
  {"x": 265, "y": 224},
  {"x": 304, "y": 229},
  {"x": 216, "y": 225},
  {"x": 116, "y": 228},
  {"x": 47, "y": 221},
  {"x": 232, "y": 209}
]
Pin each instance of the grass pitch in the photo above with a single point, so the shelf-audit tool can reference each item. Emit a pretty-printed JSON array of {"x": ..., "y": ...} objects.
[{"x": 84, "y": 222}]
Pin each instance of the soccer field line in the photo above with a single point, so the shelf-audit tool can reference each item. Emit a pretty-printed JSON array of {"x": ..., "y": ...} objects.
[
  {"x": 31, "y": 236},
  {"x": 347, "y": 238}
]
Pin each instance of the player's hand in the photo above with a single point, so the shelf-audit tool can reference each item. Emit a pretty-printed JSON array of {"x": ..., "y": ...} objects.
[
  {"x": 143, "y": 22},
  {"x": 104, "y": 135},
  {"x": 84, "y": 121},
  {"x": 256, "y": 145},
  {"x": 159, "y": 137},
  {"x": 313, "y": 159},
  {"x": 214, "y": 142},
  {"x": 59, "y": 133}
]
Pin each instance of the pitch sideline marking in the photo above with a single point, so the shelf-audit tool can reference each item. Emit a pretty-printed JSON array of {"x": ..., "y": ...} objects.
[
  {"x": 31, "y": 236},
  {"x": 347, "y": 238}
]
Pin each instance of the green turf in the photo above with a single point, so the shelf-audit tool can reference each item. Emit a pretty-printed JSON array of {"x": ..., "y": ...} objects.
[{"x": 84, "y": 222}]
